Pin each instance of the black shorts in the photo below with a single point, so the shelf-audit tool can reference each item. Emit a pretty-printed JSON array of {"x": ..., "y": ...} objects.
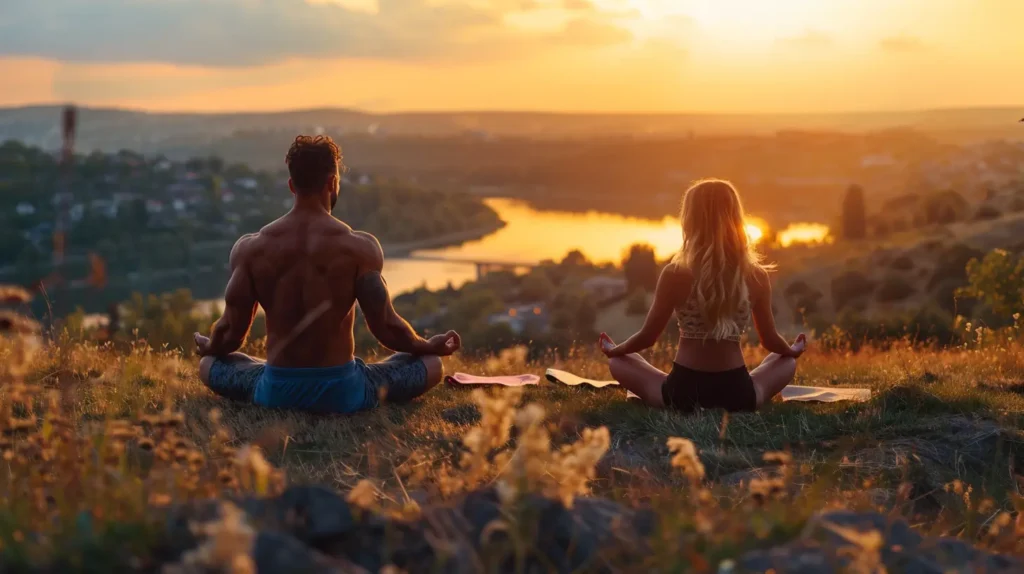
[{"x": 685, "y": 389}]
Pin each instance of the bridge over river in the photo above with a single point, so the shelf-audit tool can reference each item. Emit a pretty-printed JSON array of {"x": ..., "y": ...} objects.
[{"x": 483, "y": 266}]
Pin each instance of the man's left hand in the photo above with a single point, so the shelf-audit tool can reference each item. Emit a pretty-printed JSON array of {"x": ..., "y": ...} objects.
[{"x": 202, "y": 345}]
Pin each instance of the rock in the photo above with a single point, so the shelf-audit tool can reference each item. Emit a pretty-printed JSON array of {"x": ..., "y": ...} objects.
[
  {"x": 830, "y": 541},
  {"x": 566, "y": 539},
  {"x": 178, "y": 532},
  {"x": 313, "y": 529},
  {"x": 314, "y": 515},
  {"x": 276, "y": 552},
  {"x": 896, "y": 532}
]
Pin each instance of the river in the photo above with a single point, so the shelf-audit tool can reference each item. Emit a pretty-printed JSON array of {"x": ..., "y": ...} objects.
[{"x": 532, "y": 235}]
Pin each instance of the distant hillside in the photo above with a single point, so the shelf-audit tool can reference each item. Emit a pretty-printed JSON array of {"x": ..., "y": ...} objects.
[{"x": 113, "y": 129}]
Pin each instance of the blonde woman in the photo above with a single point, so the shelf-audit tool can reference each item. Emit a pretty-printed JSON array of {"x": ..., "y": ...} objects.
[{"x": 714, "y": 285}]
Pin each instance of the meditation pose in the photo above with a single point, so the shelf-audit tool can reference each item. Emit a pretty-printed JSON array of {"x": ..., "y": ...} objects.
[
  {"x": 307, "y": 270},
  {"x": 714, "y": 285}
]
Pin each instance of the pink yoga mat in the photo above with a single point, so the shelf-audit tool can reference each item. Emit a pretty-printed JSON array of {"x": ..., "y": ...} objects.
[{"x": 463, "y": 379}]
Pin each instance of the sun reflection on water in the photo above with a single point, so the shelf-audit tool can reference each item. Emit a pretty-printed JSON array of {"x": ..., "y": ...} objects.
[{"x": 809, "y": 233}]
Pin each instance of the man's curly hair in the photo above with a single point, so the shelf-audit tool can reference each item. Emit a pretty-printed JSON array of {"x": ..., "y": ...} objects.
[{"x": 312, "y": 161}]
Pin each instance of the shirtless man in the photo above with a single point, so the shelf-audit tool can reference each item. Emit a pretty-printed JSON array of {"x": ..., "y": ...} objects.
[{"x": 307, "y": 270}]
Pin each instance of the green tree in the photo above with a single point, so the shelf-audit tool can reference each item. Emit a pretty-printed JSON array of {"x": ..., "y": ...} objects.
[
  {"x": 536, "y": 286},
  {"x": 997, "y": 280},
  {"x": 640, "y": 266}
]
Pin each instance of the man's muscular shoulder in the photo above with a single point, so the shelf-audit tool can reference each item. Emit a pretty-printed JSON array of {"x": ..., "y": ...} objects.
[
  {"x": 368, "y": 251},
  {"x": 243, "y": 249}
]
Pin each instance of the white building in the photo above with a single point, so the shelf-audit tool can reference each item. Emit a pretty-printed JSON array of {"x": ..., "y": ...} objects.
[
  {"x": 606, "y": 287},
  {"x": 246, "y": 183},
  {"x": 25, "y": 208},
  {"x": 103, "y": 207}
]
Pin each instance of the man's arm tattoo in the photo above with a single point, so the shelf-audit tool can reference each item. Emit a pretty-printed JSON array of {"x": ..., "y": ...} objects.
[
  {"x": 372, "y": 293},
  {"x": 375, "y": 302}
]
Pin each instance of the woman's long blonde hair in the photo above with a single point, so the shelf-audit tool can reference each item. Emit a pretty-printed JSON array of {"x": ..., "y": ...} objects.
[{"x": 718, "y": 252}]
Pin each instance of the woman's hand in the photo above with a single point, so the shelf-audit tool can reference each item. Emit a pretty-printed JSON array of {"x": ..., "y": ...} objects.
[
  {"x": 607, "y": 346},
  {"x": 798, "y": 348}
]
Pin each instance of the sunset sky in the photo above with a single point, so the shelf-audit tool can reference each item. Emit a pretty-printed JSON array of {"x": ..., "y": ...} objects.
[{"x": 559, "y": 55}]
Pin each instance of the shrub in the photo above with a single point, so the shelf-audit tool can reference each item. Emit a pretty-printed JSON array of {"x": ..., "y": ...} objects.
[
  {"x": 850, "y": 286},
  {"x": 894, "y": 288},
  {"x": 952, "y": 264},
  {"x": 902, "y": 263},
  {"x": 797, "y": 289},
  {"x": 986, "y": 212},
  {"x": 945, "y": 207},
  {"x": 947, "y": 297},
  {"x": 803, "y": 298},
  {"x": 926, "y": 324},
  {"x": 637, "y": 303},
  {"x": 881, "y": 229},
  {"x": 997, "y": 280}
]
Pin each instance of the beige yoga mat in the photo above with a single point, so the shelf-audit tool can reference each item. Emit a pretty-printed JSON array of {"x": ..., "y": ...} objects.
[
  {"x": 567, "y": 378},
  {"x": 824, "y": 394},
  {"x": 790, "y": 393}
]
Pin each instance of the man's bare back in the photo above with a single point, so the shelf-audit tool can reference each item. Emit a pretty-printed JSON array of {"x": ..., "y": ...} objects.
[{"x": 302, "y": 270}]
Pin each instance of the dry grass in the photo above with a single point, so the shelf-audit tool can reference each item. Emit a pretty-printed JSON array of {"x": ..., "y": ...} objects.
[{"x": 111, "y": 435}]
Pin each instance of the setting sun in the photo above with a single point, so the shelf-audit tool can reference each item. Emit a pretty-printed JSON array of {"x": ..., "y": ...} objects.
[{"x": 754, "y": 232}]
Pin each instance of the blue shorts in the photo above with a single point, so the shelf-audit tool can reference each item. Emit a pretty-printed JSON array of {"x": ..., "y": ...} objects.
[{"x": 349, "y": 388}]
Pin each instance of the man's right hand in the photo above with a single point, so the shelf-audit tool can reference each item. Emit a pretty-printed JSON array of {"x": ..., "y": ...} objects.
[{"x": 443, "y": 345}]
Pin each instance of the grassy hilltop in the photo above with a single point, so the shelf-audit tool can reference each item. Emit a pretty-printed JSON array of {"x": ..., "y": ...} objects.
[{"x": 99, "y": 444}]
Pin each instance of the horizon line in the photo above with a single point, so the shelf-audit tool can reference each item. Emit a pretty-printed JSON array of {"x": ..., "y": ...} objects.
[{"x": 456, "y": 111}]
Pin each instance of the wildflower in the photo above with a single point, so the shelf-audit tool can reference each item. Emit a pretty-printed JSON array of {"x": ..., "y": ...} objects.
[
  {"x": 250, "y": 459},
  {"x": 227, "y": 546},
  {"x": 363, "y": 494},
  {"x": 14, "y": 324},
  {"x": 685, "y": 458},
  {"x": 13, "y": 295},
  {"x": 763, "y": 489},
  {"x": 497, "y": 412},
  {"x": 226, "y": 478},
  {"x": 999, "y": 523}
]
